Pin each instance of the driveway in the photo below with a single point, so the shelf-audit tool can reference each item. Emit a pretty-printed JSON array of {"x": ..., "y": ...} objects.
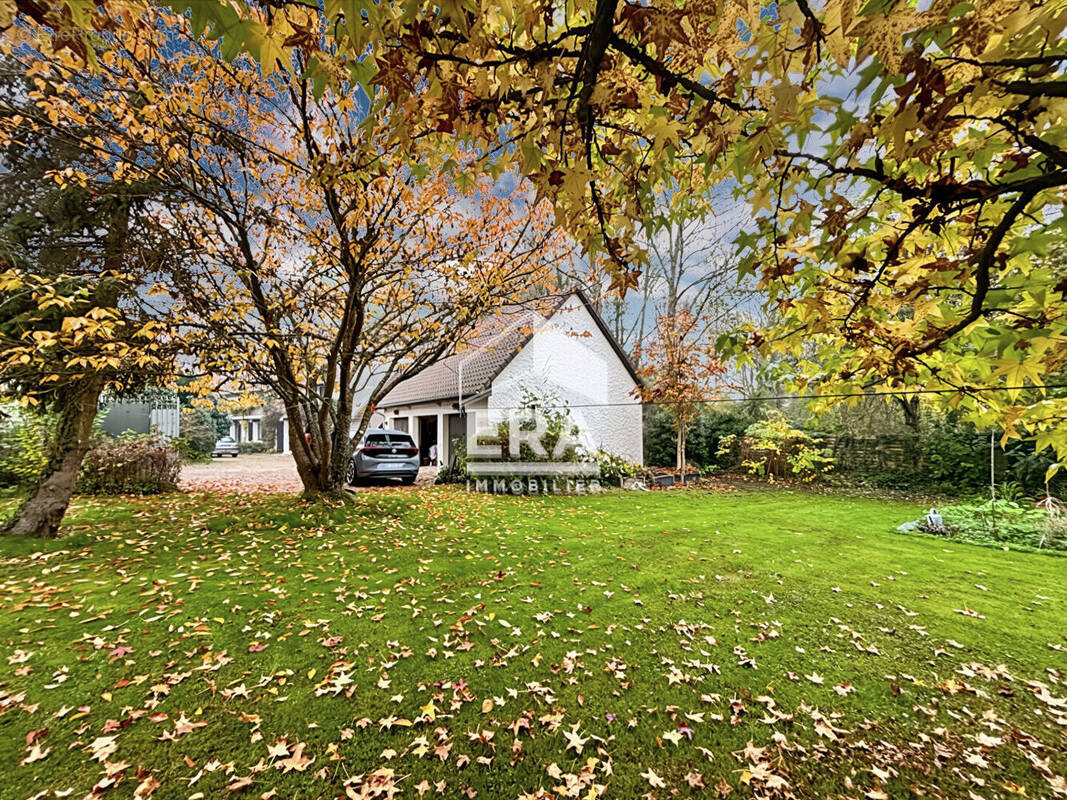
[{"x": 262, "y": 472}]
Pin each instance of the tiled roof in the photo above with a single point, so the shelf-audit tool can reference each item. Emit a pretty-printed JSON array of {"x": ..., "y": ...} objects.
[{"x": 480, "y": 358}]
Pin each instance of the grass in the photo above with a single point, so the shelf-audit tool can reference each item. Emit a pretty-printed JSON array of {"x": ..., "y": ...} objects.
[{"x": 768, "y": 643}]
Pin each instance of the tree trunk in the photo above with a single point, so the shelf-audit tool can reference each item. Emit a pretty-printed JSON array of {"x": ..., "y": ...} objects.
[
  {"x": 340, "y": 440},
  {"x": 680, "y": 452},
  {"x": 43, "y": 510},
  {"x": 308, "y": 466},
  {"x": 910, "y": 407},
  {"x": 319, "y": 476}
]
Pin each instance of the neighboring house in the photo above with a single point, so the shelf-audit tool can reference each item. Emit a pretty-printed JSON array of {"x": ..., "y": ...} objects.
[
  {"x": 247, "y": 426},
  {"x": 261, "y": 424},
  {"x": 155, "y": 412},
  {"x": 556, "y": 348}
]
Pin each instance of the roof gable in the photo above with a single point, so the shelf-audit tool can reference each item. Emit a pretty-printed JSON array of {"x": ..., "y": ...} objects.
[{"x": 490, "y": 348}]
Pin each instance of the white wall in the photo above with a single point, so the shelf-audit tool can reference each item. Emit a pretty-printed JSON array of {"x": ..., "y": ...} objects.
[{"x": 571, "y": 358}]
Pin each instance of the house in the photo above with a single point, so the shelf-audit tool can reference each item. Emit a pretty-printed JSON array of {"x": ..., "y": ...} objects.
[
  {"x": 261, "y": 424},
  {"x": 247, "y": 426},
  {"x": 557, "y": 348}
]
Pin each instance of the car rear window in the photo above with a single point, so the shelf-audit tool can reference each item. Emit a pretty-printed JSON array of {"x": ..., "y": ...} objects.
[{"x": 390, "y": 438}]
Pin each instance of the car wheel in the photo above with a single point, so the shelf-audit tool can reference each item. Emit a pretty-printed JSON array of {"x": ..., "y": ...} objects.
[
  {"x": 351, "y": 478},
  {"x": 407, "y": 480},
  {"x": 233, "y": 455}
]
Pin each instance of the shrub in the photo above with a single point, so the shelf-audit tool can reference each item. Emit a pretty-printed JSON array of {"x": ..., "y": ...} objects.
[
  {"x": 24, "y": 444},
  {"x": 955, "y": 457},
  {"x": 1028, "y": 468},
  {"x": 709, "y": 431},
  {"x": 198, "y": 434},
  {"x": 772, "y": 447},
  {"x": 950, "y": 457},
  {"x": 248, "y": 448},
  {"x": 1004, "y": 523},
  {"x": 558, "y": 426},
  {"x": 456, "y": 472},
  {"x": 659, "y": 437},
  {"x": 221, "y": 420},
  {"x": 879, "y": 479},
  {"x": 1054, "y": 533},
  {"x": 703, "y": 442},
  {"x": 614, "y": 468},
  {"x": 130, "y": 465}
]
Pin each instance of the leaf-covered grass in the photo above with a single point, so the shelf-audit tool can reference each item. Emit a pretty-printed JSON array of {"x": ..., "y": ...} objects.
[{"x": 438, "y": 642}]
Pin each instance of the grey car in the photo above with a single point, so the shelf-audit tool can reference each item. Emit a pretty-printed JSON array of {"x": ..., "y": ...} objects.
[
  {"x": 226, "y": 446},
  {"x": 384, "y": 453}
]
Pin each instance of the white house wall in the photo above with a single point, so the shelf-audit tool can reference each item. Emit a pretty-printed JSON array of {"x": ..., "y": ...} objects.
[{"x": 571, "y": 359}]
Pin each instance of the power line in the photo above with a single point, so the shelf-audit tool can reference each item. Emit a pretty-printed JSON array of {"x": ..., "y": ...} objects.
[{"x": 767, "y": 398}]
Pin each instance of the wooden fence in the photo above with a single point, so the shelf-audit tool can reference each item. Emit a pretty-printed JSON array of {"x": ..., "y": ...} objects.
[{"x": 851, "y": 454}]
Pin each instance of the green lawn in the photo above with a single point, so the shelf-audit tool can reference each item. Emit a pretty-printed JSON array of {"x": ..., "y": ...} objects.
[{"x": 433, "y": 642}]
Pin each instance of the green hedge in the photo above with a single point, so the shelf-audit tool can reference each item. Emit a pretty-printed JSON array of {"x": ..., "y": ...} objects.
[
  {"x": 955, "y": 460},
  {"x": 24, "y": 445},
  {"x": 954, "y": 456}
]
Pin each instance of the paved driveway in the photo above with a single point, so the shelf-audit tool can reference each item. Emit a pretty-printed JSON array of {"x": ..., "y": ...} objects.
[{"x": 263, "y": 472}]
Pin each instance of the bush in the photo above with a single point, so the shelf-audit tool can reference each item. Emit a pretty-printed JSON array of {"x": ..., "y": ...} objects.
[
  {"x": 955, "y": 457},
  {"x": 198, "y": 434},
  {"x": 221, "y": 421},
  {"x": 558, "y": 426},
  {"x": 772, "y": 447},
  {"x": 659, "y": 437},
  {"x": 880, "y": 479},
  {"x": 995, "y": 522},
  {"x": 1004, "y": 524},
  {"x": 130, "y": 465},
  {"x": 248, "y": 448},
  {"x": 1054, "y": 534},
  {"x": 456, "y": 472},
  {"x": 710, "y": 429},
  {"x": 1027, "y": 467},
  {"x": 24, "y": 443},
  {"x": 614, "y": 468}
]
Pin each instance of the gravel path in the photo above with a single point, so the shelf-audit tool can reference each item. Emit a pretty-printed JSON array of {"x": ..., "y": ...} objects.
[{"x": 260, "y": 473}]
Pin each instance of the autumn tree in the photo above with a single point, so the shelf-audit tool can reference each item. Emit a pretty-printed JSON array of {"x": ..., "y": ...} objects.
[
  {"x": 317, "y": 258},
  {"x": 680, "y": 372},
  {"x": 71, "y": 259},
  {"x": 337, "y": 266}
]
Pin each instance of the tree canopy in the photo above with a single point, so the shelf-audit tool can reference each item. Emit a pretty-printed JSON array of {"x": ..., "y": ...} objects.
[{"x": 904, "y": 162}]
